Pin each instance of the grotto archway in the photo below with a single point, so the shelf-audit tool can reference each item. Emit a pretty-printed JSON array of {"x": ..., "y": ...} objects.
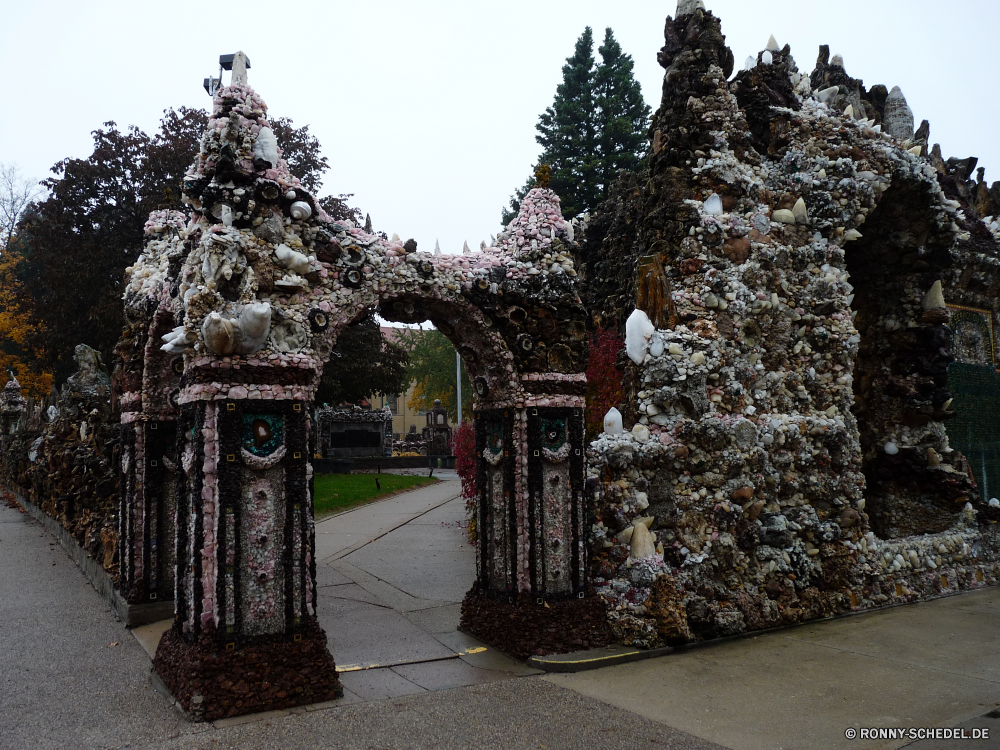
[
  {"x": 913, "y": 478},
  {"x": 257, "y": 282}
]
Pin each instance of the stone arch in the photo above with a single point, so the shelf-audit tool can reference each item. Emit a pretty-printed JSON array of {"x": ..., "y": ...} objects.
[{"x": 250, "y": 290}]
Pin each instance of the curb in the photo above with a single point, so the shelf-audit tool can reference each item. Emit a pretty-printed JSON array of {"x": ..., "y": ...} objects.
[
  {"x": 582, "y": 661},
  {"x": 132, "y": 615}
]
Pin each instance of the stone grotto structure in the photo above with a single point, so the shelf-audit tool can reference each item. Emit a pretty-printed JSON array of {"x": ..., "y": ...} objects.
[
  {"x": 808, "y": 294},
  {"x": 232, "y": 310}
]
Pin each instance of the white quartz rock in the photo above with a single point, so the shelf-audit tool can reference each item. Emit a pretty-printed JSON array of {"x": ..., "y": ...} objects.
[
  {"x": 934, "y": 299},
  {"x": 766, "y": 58},
  {"x": 891, "y": 448},
  {"x": 827, "y": 94},
  {"x": 641, "y": 545},
  {"x": 266, "y": 147},
  {"x": 638, "y": 332},
  {"x": 291, "y": 259},
  {"x": 772, "y": 44},
  {"x": 219, "y": 334},
  {"x": 837, "y": 60},
  {"x": 713, "y": 205},
  {"x": 613, "y": 422},
  {"x": 783, "y": 216},
  {"x": 641, "y": 433},
  {"x": 799, "y": 212},
  {"x": 244, "y": 334},
  {"x": 751, "y": 63},
  {"x": 687, "y": 7}
]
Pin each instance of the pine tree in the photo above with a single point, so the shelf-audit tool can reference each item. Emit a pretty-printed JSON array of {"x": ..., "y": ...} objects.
[
  {"x": 595, "y": 126},
  {"x": 622, "y": 113}
]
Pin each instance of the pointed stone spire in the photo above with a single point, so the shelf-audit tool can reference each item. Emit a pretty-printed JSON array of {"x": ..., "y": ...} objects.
[
  {"x": 437, "y": 247},
  {"x": 368, "y": 223},
  {"x": 687, "y": 7},
  {"x": 772, "y": 44},
  {"x": 239, "y": 68},
  {"x": 898, "y": 118},
  {"x": 465, "y": 248}
]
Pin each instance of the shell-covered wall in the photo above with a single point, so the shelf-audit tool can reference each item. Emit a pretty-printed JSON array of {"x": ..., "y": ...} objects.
[{"x": 789, "y": 457}]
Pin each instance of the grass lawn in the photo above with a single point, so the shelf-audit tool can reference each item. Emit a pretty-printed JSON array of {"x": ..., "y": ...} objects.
[{"x": 338, "y": 492}]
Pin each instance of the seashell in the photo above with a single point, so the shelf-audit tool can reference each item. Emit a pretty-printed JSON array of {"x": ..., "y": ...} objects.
[
  {"x": 254, "y": 324},
  {"x": 291, "y": 259},
  {"x": 300, "y": 210},
  {"x": 290, "y": 195},
  {"x": 219, "y": 334}
]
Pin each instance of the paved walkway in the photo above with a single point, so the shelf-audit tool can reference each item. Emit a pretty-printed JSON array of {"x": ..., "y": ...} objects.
[{"x": 391, "y": 579}]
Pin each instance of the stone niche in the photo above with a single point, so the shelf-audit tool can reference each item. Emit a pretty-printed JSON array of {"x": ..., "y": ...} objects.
[{"x": 783, "y": 272}]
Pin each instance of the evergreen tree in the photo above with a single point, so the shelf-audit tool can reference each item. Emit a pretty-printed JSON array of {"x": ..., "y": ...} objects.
[
  {"x": 596, "y": 125},
  {"x": 622, "y": 114}
]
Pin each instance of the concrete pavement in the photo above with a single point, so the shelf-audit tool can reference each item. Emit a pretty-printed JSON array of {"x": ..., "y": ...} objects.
[{"x": 391, "y": 579}]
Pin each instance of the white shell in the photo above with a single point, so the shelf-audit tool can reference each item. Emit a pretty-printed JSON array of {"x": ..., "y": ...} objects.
[{"x": 300, "y": 210}]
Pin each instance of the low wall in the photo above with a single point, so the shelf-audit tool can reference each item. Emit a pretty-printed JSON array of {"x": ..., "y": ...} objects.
[{"x": 133, "y": 615}]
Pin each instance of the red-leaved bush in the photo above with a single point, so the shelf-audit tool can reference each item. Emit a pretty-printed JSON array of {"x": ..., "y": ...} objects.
[
  {"x": 604, "y": 380},
  {"x": 463, "y": 442}
]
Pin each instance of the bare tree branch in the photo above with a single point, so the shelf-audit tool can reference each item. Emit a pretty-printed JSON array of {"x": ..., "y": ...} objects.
[{"x": 16, "y": 194}]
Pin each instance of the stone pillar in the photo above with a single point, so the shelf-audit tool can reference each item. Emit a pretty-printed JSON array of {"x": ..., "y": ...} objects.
[{"x": 245, "y": 636}]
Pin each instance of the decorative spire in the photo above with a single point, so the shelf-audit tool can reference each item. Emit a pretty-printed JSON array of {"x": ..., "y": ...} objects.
[{"x": 239, "y": 68}]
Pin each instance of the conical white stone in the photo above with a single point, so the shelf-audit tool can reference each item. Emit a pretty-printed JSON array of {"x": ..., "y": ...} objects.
[
  {"x": 799, "y": 212},
  {"x": 437, "y": 247},
  {"x": 898, "y": 118},
  {"x": 613, "y": 422},
  {"x": 638, "y": 332},
  {"x": 825, "y": 95},
  {"x": 713, "y": 205},
  {"x": 239, "y": 68},
  {"x": 772, "y": 44},
  {"x": 849, "y": 112},
  {"x": 641, "y": 544},
  {"x": 687, "y": 7},
  {"x": 465, "y": 248},
  {"x": 934, "y": 299}
]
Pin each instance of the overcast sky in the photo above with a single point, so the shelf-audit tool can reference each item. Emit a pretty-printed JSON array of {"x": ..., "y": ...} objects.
[{"x": 426, "y": 111}]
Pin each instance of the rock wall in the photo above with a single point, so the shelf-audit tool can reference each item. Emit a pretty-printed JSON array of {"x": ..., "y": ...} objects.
[
  {"x": 779, "y": 267},
  {"x": 61, "y": 458}
]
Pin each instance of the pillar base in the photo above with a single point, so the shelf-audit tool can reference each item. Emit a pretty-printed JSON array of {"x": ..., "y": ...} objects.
[
  {"x": 267, "y": 674},
  {"x": 524, "y": 628}
]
